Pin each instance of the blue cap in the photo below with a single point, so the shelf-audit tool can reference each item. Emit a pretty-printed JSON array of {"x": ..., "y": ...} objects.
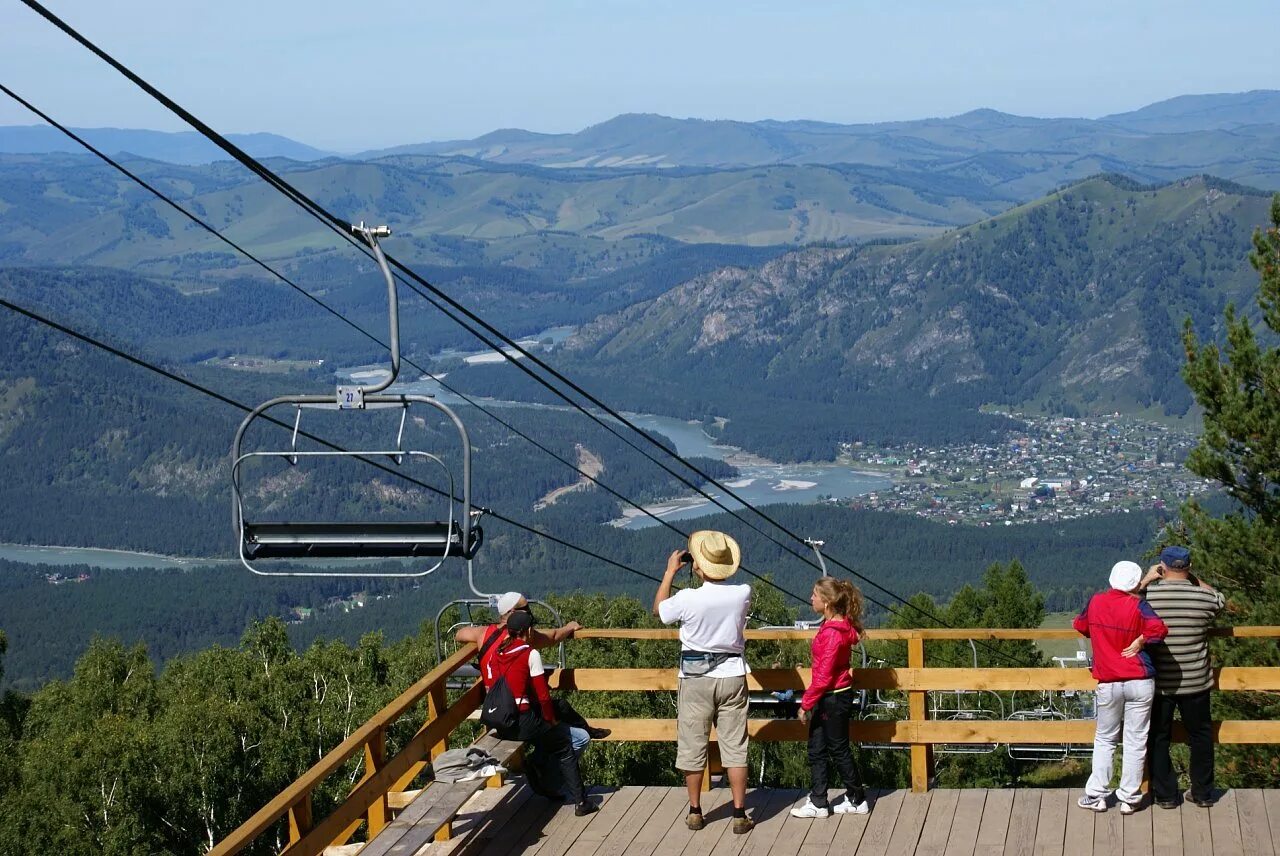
[{"x": 1177, "y": 558}]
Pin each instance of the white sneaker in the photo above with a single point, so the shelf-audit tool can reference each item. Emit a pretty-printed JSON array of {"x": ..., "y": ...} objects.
[
  {"x": 1092, "y": 803},
  {"x": 1127, "y": 807},
  {"x": 846, "y": 806},
  {"x": 810, "y": 810}
]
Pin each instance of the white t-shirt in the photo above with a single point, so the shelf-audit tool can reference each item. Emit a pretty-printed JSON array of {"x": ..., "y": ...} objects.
[{"x": 712, "y": 618}]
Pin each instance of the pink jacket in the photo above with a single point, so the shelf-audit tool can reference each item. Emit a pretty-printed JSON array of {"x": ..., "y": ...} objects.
[{"x": 831, "y": 649}]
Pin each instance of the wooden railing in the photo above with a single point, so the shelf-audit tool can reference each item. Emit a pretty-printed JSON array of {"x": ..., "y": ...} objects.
[{"x": 369, "y": 804}]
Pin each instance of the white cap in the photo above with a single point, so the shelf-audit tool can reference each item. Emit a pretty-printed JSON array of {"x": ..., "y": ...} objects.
[
  {"x": 510, "y": 600},
  {"x": 1125, "y": 576}
]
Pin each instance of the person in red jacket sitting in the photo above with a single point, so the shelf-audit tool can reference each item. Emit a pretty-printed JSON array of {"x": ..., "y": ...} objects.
[
  {"x": 827, "y": 705},
  {"x": 1120, "y": 624},
  {"x": 515, "y": 659}
]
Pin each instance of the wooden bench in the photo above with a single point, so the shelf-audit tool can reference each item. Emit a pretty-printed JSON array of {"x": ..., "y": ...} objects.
[{"x": 434, "y": 807}]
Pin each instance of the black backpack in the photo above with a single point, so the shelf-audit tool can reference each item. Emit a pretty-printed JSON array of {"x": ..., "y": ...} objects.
[{"x": 499, "y": 710}]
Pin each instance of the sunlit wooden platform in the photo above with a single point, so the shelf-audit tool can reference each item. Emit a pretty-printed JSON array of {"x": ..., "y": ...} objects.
[{"x": 636, "y": 821}]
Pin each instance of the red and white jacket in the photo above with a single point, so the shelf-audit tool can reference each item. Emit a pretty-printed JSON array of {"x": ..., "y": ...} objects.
[
  {"x": 512, "y": 662},
  {"x": 831, "y": 650},
  {"x": 1113, "y": 619}
]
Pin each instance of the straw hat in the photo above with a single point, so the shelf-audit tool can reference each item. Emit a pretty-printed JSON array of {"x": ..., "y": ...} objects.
[{"x": 715, "y": 554}]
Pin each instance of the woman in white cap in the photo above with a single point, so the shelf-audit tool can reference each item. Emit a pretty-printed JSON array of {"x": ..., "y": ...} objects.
[
  {"x": 713, "y": 671},
  {"x": 1120, "y": 624}
]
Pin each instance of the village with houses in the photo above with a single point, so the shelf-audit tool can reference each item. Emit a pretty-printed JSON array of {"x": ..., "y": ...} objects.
[{"x": 1061, "y": 468}]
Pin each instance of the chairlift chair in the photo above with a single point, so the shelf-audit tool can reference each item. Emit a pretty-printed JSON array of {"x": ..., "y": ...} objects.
[
  {"x": 261, "y": 540},
  {"x": 966, "y": 705}
]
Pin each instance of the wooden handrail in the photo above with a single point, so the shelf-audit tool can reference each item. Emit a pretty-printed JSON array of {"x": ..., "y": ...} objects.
[
  {"x": 309, "y": 837},
  {"x": 304, "y": 785},
  {"x": 1053, "y": 679},
  {"x": 933, "y": 633}
]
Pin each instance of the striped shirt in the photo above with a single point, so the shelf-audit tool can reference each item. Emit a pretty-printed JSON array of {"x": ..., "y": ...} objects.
[{"x": 1182, "y": 657}]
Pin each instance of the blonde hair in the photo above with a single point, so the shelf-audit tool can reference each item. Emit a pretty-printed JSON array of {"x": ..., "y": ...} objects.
[{"x": 843, "y": 597}]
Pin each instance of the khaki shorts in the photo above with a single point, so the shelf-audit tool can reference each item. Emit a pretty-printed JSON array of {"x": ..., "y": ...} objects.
[{"x": 703, "y": 701}]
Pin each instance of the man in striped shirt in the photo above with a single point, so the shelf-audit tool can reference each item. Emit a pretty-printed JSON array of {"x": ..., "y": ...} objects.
[{"x": 1184, "y": 679}]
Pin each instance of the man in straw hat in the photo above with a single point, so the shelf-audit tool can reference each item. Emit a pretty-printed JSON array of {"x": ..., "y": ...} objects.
[{"x": 713, "y": 671}]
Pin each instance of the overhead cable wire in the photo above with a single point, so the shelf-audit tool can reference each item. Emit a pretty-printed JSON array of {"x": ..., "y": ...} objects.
[
  {"x": 343, "y": 228},
  {"x": 193, "y": 218},
  {"x": 225, "y": 399}
]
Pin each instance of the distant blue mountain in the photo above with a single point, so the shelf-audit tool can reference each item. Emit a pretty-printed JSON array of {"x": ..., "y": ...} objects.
[{"x": 186, "y": 147}]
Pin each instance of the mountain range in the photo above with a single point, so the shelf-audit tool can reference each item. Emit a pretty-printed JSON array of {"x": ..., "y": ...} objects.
[
  {"x": 1074, "y": 302},
  {"x": 1233, "y": 135}
]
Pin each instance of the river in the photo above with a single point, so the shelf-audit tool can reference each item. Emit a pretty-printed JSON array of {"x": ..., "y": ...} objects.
[
  {"x": 760, "y": 482},
  {"x": 96, "y": 557}
]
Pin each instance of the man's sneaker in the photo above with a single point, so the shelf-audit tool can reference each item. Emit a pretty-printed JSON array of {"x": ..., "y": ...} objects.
[
  {"x": 848, "y": 806},
  {"x": 1167, "y": 804},
  {"x": 694, "y": 821},
  {"x": 585, "y": 807},
  {"x": 1203, "y": 803},
  {"x": 1092, "y": 803},
  {"x": 598, "y": 733},
  {"x": 743, "y": 825},
  {"x": 811, "y": 810},
  {"x": 1127, "y": 807}
]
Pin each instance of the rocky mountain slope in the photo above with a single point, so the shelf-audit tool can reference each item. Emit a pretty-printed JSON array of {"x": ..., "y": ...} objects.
[{"x": 1077, "y": 300}]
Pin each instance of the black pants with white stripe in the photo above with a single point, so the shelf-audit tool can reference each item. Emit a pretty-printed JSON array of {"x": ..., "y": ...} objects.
[{"x": 1194, "y": 708}]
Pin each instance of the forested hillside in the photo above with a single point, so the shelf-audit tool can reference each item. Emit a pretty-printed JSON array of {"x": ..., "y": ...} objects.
[{"x": 1075, "y": 301}]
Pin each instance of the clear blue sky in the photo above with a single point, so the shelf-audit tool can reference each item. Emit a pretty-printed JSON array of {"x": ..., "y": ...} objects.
[{"x": 349, "y": 76}]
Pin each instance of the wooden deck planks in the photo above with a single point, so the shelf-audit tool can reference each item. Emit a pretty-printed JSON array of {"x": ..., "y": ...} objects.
[
  {"x": 1224, "y": 823},
  {"x": 1079, "y": 827},
  {"x": 605, "y": 820},
  {"x": 521, "y": 831},
  {"x": 1108, "y": 835},
  {"x": 1138, "y": 839},
  {"x": 1024, "y": 819},
  {"x": 1255, "y": 829},
  {"x": 965, "y": 823},
  {"x": 762, "y": 804},
  {"x": 1166, "y": 831},
  {"x": 673, "y": 808},
  {"x": 1272, "y": 801},
  {"x": 884, "y": 815},
  {"x": 769, "y": 828},
  {"x": 793, "y": 832},
  {"x": 851, "y": 830},
  {"x": 619, "y": 838},
  {"x": 563, "y": 830},
  {"x": 910, "y": 823},
  {"x": 1197, "y": 836},
  {"x": 647, "y": 821},
  {"x": 480, "y": 811},
  {"x": 995, "y": 823},
  {"x": 1051, "y": 828},
  {"x": 937, "y": 824}
]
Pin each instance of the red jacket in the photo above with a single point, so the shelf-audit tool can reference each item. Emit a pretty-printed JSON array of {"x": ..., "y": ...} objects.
[
  {"x": 509, "y": 658},
  {"x": 1113, "y": 619},
  {"x": 831, "y": 650}
]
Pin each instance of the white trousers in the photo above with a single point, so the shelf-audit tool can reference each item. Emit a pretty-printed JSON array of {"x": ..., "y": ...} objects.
[{"x": 1122, "y": 705}]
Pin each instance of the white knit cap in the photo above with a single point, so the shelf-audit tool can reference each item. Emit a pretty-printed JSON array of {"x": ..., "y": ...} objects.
[
  {"x": 1125, "y": 576},
  {"x": 510, "y": 600}
]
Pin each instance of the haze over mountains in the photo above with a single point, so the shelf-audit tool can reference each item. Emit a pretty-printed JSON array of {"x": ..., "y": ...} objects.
[{"x": 1235, "y": 135}]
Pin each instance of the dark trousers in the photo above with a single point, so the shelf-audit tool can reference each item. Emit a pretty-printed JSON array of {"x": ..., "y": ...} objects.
[
  {"x": 829, "y": 745},
  {"x": 566, "y": 714},
  {"x": 1194, "y": 709},
  {"x": 553, "y": 769}
]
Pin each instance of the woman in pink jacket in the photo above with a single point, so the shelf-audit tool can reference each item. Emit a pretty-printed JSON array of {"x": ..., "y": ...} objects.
[{"x": 828, "y": 703}]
